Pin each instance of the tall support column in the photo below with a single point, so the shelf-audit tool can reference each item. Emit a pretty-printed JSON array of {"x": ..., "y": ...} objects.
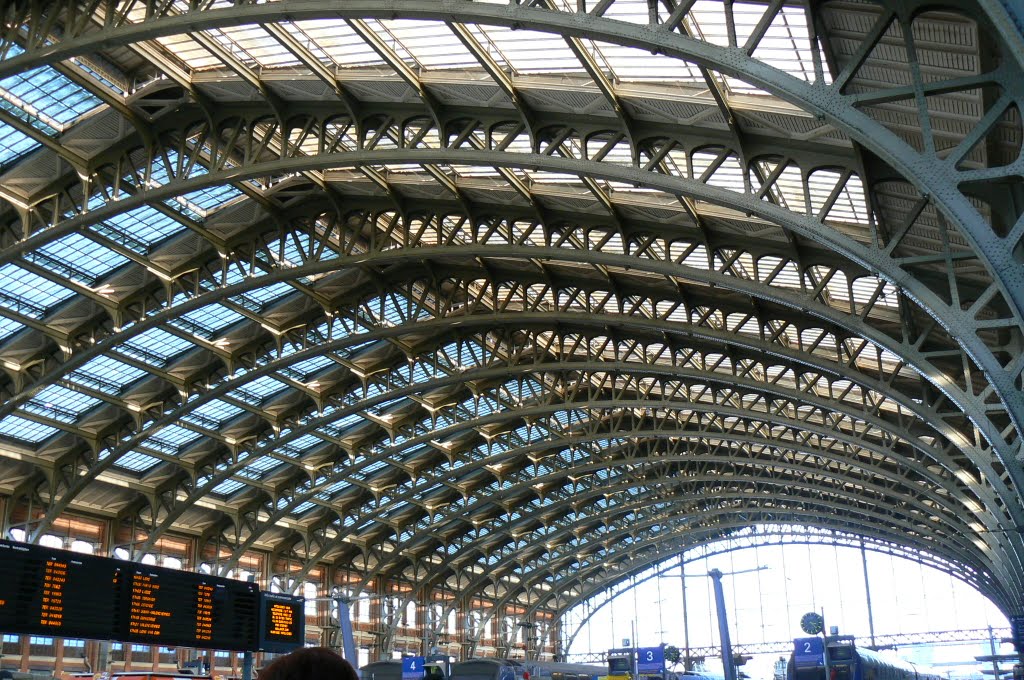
[
  {"x": 723, "y": 625},
  {"x": 867, "y": 593},
  {"x": 687, "y": 659}
]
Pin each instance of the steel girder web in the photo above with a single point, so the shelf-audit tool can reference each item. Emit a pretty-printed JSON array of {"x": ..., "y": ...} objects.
[
  {"x": 270, "y": 367},
  {"x": 327, "y": 266},
  {"x": 822, "y": 99},
  {"x": 248, "y": 377},
  {"x": 555, "y": 163}
]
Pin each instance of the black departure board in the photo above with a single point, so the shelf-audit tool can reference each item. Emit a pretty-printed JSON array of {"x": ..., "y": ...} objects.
[
  {"x": 171, "y": 607},
  {"x": 55, "y": 592},
  {"x": 66, "y": 594},
  {"x": 282, "y": 622}
]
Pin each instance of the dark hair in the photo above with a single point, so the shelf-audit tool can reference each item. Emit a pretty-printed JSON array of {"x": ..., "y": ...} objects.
[{"x": 309, "y": 663}]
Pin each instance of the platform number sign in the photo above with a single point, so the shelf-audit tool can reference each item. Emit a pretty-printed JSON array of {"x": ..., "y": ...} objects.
[
  {"x": 1017, "y": 631},
  {"x": 650, "y": 660},
  {"x": 808, "y": 652},
  {"x": 412, "y": 667}
]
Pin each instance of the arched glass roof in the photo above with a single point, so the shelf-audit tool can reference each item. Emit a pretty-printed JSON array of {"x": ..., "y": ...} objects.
[{"x": 514, "y": 298}]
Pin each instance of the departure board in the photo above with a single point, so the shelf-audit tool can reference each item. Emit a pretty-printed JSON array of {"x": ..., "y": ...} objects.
[
  {"x": 282, "y": 622},
  {"x": 55, "y": 592},
  {"x": 67, "y": 594},
  {"x": 171, "y": 607}
]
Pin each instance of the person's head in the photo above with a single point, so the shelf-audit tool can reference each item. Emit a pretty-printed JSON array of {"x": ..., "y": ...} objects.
[{"x": 309, "y": 663}]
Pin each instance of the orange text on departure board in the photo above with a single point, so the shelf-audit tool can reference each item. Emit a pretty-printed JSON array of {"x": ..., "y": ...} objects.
[
  {"x": 143, "y": 617},
  {"x": 204, "y": 612},
  {"x": 282, "y": 620},
  {"x": 55, "y": 577}
]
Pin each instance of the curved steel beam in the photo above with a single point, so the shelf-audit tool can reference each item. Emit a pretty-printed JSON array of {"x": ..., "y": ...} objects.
[
  {"x": 523, "y": 319},
  {"x": 806, "y": 226},
  {"x": 899, "y": 520}
]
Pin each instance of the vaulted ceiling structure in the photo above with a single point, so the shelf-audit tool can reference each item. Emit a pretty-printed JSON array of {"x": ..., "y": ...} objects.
[{"x": 513, "y": 298}]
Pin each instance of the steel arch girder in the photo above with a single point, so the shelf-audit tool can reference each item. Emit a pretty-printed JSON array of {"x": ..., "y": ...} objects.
[
  {"x": 807, "y": 518},
  {"x": 757, "y": 346},
  {"x": 935, "y": 180},
  {"x": 778, "y": 537},
  {"x": 800, "y": 224},
  {"x": 609, "y": 404},
  {"x": 956, "y": 555},
  {"x": 782, "y": 296}
]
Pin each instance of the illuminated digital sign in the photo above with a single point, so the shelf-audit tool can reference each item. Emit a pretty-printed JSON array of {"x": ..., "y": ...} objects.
[
  {"x": 170, "y": 607},
  {"x": 282, "y": 622},
  {"x": 55, "y": 592}
]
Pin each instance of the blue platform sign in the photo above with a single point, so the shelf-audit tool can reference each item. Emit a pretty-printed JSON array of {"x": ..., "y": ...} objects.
[
  {"x": 808, "y": 652},
  {"x": 412, "y": 667},
  {"x": 650, "y": 660},
  {"x": 1017, "y": 632}
]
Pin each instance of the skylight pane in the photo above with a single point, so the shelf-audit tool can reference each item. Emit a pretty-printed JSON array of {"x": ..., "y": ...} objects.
[
  {"x": 207, "y": 321},
  {"x": 155, "y": 344},
  {"x": 27, "y": 293},
  {"x": 431, "y": 43},
  {"x": 25, "y": 430},
  {"x": 78, "y": 258},
  {"x": 14, "y": 144},
  {"x": 47, "y": 94},
  {"x": 227, "y": 486},
  {"x": 8, "y": 327},
  {"x": 61, "y": 403},
  {"x": 139, "y": 229},
  {"x": 216, "y": 410},
  {"x": 339, "y": 42},
  {"x": 532, "y": 51},
  {"x": 107, "y": 374},
  {"x": 136, "y": 462}
]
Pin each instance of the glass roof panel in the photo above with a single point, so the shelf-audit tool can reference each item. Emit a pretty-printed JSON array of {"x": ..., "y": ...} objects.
[
  {"x": 631, "y": 64},
  {"x": 208, "y": 321},
  {"x": 47, "y": 94},
  {"x": 14, "y": 144},
  {"x": 216, "y": 410},
  {"x": 339, "y": 42},
  {"x": 140, "y": 228},
  {"x": 25, "y": 430},
  {"x": 136, "y": 462},
  {"x": 532, "y": 51},
  {"x": 254, "y": 47},
  {"x": 430, "y": 43},
  {"x": 172, "y": 438},
  {"x": 189, "y": 52},
  {"x": 27, "y": 293},
  {"x": 8, "y": 327},
  {"x": 157, "y": 344},
  {"x": 106, "y": 374},
  {"x": 228, "y": 486},
  {"x": 78, "y": 258},
  {"x": 259, "y": 389},
  {"x": 61, "y": 403}
]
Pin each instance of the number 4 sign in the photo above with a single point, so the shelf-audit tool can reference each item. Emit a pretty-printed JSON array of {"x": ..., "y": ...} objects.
[{"x": 412, "y": 668}]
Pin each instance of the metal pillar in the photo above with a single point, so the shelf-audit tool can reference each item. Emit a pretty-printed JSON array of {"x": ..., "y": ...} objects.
[
  {"x": 247, "y": 666},
  {"x": 348, "y": 639},
  {"x": 867, "y": 593},
  {"x": 687, "y": 660},
  {"x": 723, "y": 625}
]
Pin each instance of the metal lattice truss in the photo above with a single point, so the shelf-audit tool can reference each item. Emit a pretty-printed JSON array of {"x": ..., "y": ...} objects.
[{"x": 511, "y": 299}]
